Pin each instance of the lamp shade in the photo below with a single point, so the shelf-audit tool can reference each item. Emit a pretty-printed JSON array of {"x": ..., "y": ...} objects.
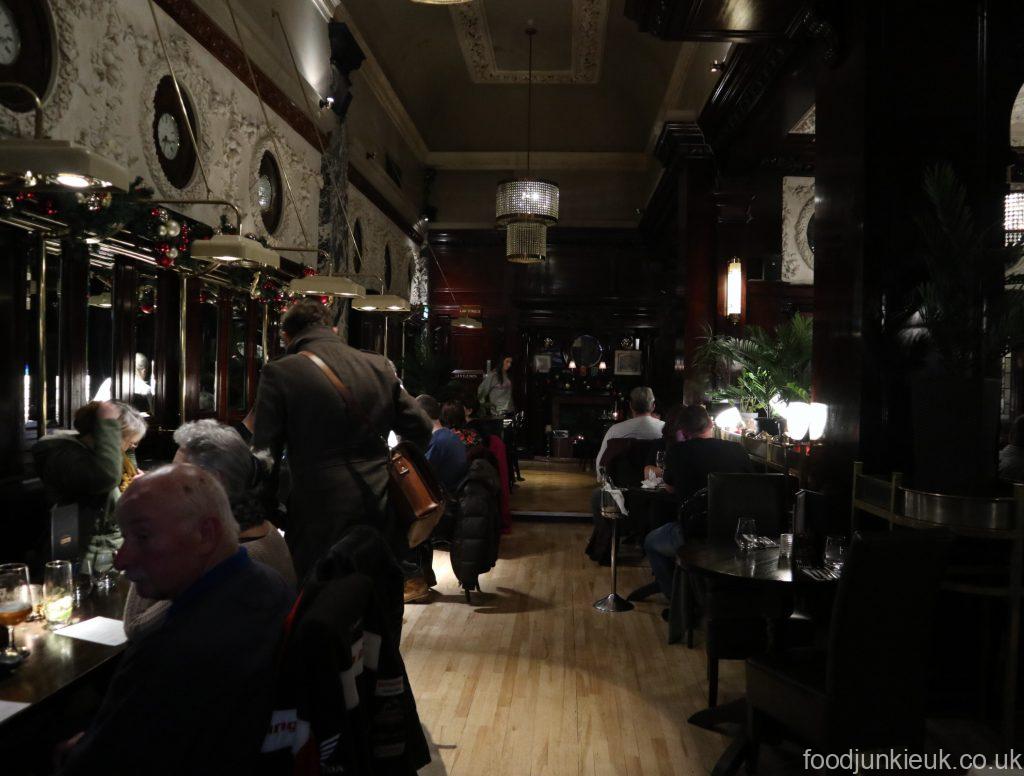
[
  {"x": 798, "y": 420},
  {"x": 26, "y": 162},
  {"x": 526, "y": 242},
  {"x": 381, "y": 303},
  {"x": 235, "y": 248},
  {"x": 326, "y": 285},
  {"x": 734, "y": 289},
  {"x": 729, "y": 419},
  {"x": 523, "y": 199},
  {"x": 465, "y": 322},
  {"x": 819, "y": 418}
]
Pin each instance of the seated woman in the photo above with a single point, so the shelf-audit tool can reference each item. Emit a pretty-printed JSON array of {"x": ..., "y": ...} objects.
[
  {"x": 92, "y": 468},
  {"x": 453, "y": 416},
  {"x": 220, "y": 450}
]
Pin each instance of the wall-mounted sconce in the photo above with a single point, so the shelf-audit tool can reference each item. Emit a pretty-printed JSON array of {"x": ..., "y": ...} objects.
[
  {"x": 572, "y": 364},
  {"x": 717, "y": 66},
  {"x": 602, "y": 366},
  {"x": 734, "y": 290},
  {"x": 326, "y": 103}
]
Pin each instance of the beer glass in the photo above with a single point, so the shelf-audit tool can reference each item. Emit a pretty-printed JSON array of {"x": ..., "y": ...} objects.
[
  {"x": 58, "y": 593},
  {"x": 15, "y": 604}
]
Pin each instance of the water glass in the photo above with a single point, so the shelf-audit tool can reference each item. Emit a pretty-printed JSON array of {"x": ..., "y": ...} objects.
[
  {"x": 835, "y": 552},
  {"x": 83, "y": 580},
  {"x": 786, "y": 545},
  {"x": 659, "y": 459},
  {"x": 746, "y": 533},
  {"x": 58, "y": 593},
  {"x": 15, "y": 605}
]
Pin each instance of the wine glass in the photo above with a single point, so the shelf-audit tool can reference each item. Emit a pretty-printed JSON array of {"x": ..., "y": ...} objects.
[
  {"x": 83, "y": 580},
  {"x": 15, "y": 605},
  {"x": 58, "y": 592},
  {"x": 835, "y": 552},
  {"x": 746, "y": 533},
  {"x": 659, "y": 459}
]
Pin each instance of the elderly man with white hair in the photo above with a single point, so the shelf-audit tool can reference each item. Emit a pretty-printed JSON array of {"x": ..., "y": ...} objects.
[{"x": 193, "y": 695}]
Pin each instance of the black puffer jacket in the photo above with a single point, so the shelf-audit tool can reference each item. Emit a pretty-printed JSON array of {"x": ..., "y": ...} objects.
[{"x": 478, "y": 524}]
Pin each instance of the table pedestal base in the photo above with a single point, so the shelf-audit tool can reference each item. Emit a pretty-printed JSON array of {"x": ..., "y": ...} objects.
[{"x": 613, "y": 602}]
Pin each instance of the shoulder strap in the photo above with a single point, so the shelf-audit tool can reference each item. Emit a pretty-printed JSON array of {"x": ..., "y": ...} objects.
[{"x": 340, "y": 387}]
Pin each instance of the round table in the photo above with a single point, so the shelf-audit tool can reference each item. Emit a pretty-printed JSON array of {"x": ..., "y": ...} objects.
[{"x": 726, "y": 560}]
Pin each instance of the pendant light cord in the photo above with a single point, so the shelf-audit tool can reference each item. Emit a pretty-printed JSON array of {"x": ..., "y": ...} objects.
[{"x": 530, "y": 32}]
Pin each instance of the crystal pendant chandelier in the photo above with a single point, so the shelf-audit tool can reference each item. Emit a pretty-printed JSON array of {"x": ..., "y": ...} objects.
[{"x": 526, "y": 206}]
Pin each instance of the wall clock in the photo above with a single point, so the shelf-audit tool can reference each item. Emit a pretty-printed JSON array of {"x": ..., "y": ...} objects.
[
  {"x": 174, "y": 147},
  {"x": 26, "y": 50},
  {"x": 268, "y": 192}
]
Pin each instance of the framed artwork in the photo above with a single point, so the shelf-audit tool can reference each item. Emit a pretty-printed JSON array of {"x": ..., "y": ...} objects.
[
  {"x": 629, "y": 362},
  {"x": 542, "y": 363}
]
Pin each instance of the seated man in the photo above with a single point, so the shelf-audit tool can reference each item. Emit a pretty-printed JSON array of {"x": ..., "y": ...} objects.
[
  {"x": 194, "y": 695},
  {"x": 642, "y": 425},
  {"x": 687, "y": 467},
  {"x": 446, "y": 452}
]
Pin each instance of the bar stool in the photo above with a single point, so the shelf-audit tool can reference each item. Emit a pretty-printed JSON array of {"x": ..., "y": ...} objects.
[{"x": 612, "y": 602}]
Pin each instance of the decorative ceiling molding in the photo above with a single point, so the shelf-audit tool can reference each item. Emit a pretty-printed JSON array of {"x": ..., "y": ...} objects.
[
  {"x": 806, "y": 124},
  {"x": 372, "y": 74},
  {"x": 554, "y": 160},
  {"x": 589, "y": 24}
]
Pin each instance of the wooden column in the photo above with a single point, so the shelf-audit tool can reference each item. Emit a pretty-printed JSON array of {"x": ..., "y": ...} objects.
[{"x": 885, "y": 112}]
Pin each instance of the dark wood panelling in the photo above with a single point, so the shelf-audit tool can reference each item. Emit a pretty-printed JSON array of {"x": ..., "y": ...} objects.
[
  {"x": 18, "y": 251},
  {"x": 74, "y": 301},
  {"x": 224, "y": 47},
  {"x": 167, "y": 368},
  {"x": 740, "y": 21},
  {"x": 124, "y": 297}
]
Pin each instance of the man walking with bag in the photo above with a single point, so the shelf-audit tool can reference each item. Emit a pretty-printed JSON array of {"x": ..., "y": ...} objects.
[{"x": 336, "y": 454}]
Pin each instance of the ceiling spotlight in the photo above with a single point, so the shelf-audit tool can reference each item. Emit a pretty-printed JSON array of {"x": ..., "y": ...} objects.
[
  {"x": 718, "y": 66},
  {"x": 326, "y": 102}
]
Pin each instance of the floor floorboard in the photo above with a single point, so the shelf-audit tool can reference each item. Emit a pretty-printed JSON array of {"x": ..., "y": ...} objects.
[{"x": 531, "y": 680}]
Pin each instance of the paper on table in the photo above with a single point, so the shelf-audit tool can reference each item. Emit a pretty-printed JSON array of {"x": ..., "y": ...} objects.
[
  {"x": 101, "y": 630},
  {"x": 10, "y": 708}
]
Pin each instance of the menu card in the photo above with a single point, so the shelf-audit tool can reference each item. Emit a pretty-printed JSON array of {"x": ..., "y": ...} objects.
[{"x": 100, "y": 630}]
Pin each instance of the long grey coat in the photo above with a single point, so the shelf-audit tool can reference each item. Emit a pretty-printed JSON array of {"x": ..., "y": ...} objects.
[{"x": 338, "y": 472}]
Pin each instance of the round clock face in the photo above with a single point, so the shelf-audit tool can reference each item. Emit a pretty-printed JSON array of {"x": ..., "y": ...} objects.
[
  {"x": 168, "y": 135},
  {"x": 268, "y": 192},
  {"x": 10, "y": 36},
  {"x": 26, "y": 51},
  {"x": 174, "y": 148}
]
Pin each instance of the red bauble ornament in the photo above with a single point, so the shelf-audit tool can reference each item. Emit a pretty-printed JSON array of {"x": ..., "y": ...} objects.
[
  {"x": 325, "y": 300},
  {"x": 163, "y": 261},
  {"x": 307, "y": 271}
]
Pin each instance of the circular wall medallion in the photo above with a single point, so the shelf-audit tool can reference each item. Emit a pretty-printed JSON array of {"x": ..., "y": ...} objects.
[
  {"x": 26, "y": 51},
  {"x": 268, "y": 192},
  {"x": 804, "y": 233},
  {"x": 171, "y": 139}
]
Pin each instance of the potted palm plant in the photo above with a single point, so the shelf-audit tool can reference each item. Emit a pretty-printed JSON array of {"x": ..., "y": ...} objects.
[
  {"x": 964, "y": 330},
  {"x": 754, "y": 370}
]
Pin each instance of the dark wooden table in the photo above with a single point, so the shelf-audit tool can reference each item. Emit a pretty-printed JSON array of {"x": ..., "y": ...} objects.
[
  {"x": 764, "y": 566},
  {"x": 56, "y": 663},
  {"x": 759, "y": 567}
]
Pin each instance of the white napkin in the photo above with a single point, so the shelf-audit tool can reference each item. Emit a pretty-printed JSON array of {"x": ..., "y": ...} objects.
[
  {"x": 10, "y": 708},
  {"x": 617, "y": 497},
  {"x": 99, "y": 630}
]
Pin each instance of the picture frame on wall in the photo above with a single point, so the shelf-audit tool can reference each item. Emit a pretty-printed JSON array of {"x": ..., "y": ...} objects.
[
  {"x": 542, "y": 363},
  {"x": 629, "y": 362}
]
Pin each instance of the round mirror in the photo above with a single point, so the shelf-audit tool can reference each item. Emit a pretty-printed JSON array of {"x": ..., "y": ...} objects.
[{"x": 586, "y": 351}]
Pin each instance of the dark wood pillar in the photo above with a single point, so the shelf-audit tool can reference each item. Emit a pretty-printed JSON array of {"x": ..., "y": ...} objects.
[{"x": 895, "y": 102}]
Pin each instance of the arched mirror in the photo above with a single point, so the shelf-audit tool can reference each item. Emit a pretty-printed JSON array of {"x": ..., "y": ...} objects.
[{"x": 586, "y": 351}]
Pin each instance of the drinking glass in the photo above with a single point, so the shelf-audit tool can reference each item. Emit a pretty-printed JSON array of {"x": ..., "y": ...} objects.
[
  {"x": 746, "y": 533},
  {"x": 83, "y": 580},
  {"x": 659, "y": 459},
  {"x": 785, "y": 545},
  {"x": 58, "y": 593},
  {"x": 15, "y": 605},
  {"x": 835, "y": 552}
]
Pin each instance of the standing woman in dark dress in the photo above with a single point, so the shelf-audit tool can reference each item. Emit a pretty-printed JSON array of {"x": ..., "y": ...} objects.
[{"x": 495, "y": 395}]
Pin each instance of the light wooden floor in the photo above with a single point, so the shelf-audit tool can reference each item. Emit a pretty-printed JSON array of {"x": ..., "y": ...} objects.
[
  {"x": 560, "y": 488},
  {"x": 531, "y": 680}
]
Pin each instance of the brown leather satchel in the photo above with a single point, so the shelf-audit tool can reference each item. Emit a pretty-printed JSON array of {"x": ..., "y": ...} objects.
[{"x": 413, "y": 490}]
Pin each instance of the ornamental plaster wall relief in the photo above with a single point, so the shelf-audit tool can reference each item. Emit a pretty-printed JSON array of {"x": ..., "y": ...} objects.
[
  {"x": 109, "y": 64},
  {"x": 380, "y": 232},
  {"x": 589, "y": 24},
  {"x": 798, "y": 229}
]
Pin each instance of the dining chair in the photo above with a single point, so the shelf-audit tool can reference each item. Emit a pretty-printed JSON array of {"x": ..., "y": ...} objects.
[
  {"x": 736, "y": 613},
  {"x": 866, "y": 689}
]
